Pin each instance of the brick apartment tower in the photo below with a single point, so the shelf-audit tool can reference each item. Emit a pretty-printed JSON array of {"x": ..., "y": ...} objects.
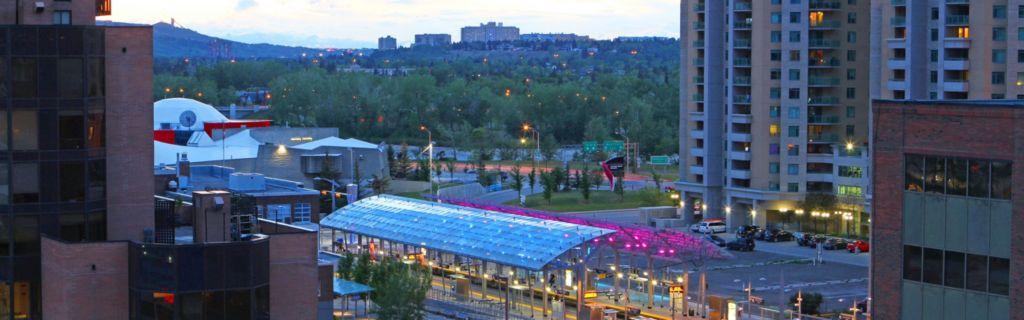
[
  {"x": 949, "y": 188},
  {"x": 75, "y": 142},
  {"x": 774, "y": 107}
]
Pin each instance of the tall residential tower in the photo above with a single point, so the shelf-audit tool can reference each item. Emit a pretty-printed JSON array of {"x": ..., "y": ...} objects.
[{"x": 775, "y": 108}]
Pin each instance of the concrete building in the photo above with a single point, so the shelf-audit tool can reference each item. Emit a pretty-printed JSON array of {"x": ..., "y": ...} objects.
[
  {"x": 953, "y": 49},
  {"x": 387, "y": 43},
  {"x": 433, "y": 40},
  {"x": 490, "y": 32},
  {"x": 552, "y": 37},
  {"x": 774, "y": 108},
  {"x": 948, "y": 189}
]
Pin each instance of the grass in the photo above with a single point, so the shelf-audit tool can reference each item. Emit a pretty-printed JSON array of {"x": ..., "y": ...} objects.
[
  {"x": 599, "y": 200},
  {"x": 419, "y": 194}
]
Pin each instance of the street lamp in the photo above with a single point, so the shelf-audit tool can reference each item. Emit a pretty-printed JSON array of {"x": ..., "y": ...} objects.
[
  {"x": 334, "y": 193},
  {"x": 430, "y": 150},
  {"x": 536, "y": 137}
]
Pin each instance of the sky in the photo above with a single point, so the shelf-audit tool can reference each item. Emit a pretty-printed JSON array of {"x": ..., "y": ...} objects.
[{"x": 358, "y": 23}]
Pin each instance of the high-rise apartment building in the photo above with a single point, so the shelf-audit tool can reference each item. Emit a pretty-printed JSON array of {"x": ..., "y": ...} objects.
[
  {"x": 946, "y": 233},
  {"x": 387, "y": 43},
  {"x": 433, "y": 40},
  {"x": 490, "y": 32},
  {"x": 952, "y": 49},
  {"x": 774, "y": 109}
]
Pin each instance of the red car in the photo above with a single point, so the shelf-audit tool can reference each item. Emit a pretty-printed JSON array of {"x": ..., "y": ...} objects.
[{"x": 858, "y": 245}]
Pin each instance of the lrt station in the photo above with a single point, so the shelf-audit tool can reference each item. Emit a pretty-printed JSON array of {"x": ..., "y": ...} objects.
[{"x": 497, "y": 262}]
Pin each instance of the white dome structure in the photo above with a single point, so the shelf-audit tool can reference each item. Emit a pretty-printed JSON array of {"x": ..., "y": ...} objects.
[{"x": 184, "y": 114}]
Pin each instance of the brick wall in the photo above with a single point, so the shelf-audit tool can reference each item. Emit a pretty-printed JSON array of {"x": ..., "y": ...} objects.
[
  {"x": 84, "y": 280},
  {"x": 129, "y": 67},
  {"x": 978, "y": 131},
  {"x": 294, "y": 276},
  {"x": 83, "y": 12}
]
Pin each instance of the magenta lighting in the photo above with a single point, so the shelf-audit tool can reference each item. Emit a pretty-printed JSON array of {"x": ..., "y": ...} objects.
[{"x": 665, "y": 243}]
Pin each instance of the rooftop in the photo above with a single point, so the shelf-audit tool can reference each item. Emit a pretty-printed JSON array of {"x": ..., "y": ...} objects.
[
  {"x": 250, "y": 184},
  {"x": 507, "y": 239},
  {"x": 968, "y": 103}
]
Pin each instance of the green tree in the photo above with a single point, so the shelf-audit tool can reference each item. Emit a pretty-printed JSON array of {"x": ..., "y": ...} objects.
[
  {"x": 584, "y": 184},
  {"x": 380, "y": 184},
  {"x": 657, "y": 178},
  {"x": 327, "y": 172},
  {"x": 517, "y": 179},
  {"x": 550, "y": 184},
  {"x": 449, "y": 164},
  {"x": 619, "y": 186},
  {"x": 403, "y": 163},
  {"x": 533, "y": 177},
  {"x": 810, "y": 303},
  {"x": 422, "y": 172}
]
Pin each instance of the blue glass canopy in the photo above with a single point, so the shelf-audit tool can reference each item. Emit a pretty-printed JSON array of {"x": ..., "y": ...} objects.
[{"x": 502, "y": 238}]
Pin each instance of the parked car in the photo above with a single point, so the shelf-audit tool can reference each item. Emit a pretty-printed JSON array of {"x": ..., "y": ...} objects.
[
  {"x": 712, "y": 227},
  {"x": 803, "y": 239},
  {"x": 747, "y": 231},
  {"x": 834, "y": 244},
  {"x": 777, "y": 235},
  {"x": 810, "y": 240},
  {"x": 695, "y": 227},
  {"x": 858, "y": 246},
  {"x": 715, "y": 239},
  {"x": 817, "y": 240},
  {"x": 741, "y": 244}
]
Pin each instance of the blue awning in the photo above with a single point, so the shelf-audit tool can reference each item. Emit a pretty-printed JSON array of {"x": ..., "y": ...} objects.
[
  {"x": 347, "y": 288},
  {"x": 502, "y": 238}
]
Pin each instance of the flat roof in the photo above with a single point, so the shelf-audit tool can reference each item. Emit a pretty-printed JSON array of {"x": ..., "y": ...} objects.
[
  {"x": 209, "y": 177},
  {"x": 344, "y": 287},
  {"x": 947, "y": 102},
  {"x": 507, "y": 239}
]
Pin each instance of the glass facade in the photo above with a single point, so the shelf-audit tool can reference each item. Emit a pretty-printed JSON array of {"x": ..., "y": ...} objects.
[
  {"x": 229, "y": 280},
  {"x": 52, "y": 151}
]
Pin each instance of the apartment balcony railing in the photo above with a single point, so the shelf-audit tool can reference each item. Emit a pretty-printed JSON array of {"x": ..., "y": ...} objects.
[
  {"x": 899, "y": 2},
  {"x": 898, "y": 21},
  {"x": 744, "y": 98},
  {"x": 822, "y": 43},
  {"x": 823, "y": 81},
  {"x": 698, "y": 44},
  {"x": 698, "y": 97},
  {"x": 698, "y": 62},
  {"x": 823, "y": 119},
  {"x": 741, "y": 6},
  {"x": 830, "y": 62},
  {"x": 741, "y": 43},
  {"x": 698, "y": 25},
  {"x": 958, "y": 20},
  {"x": 958, "y": 1},
  {"x": 741, "y": 81},
  {"x": 824, "y": 5},
  {"x": 823, "y": 138},
  {"x": 825, "y": 24},
  {"x": 742, "y": 25},
  {"x": 741, "y": 62},
  {"x": 823, "y": 100}
]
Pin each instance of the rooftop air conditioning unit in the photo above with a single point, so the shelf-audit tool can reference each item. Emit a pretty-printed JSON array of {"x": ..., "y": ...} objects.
[{"x": 40, "y": 6}]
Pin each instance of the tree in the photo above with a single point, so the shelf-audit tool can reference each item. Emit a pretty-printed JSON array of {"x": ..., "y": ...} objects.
[
  {"x": 657, "y": 178},
  {"x": 392, "y": 166},
  {"x": 596, "y": 179},
  {"x": 550, "y": 184},
  {"x": 533, "y": 177},
  {"x": 548, "y": 147},
  {"x": 619, "y": 187},
  {"x": 481, "y": 171},
  {"x": 357, "y": 176},
  {"x": 584, "y": 184},
  {"x": 559, "y": 176},
  {"x": 810, "y": 303},
  {"x": 403, "y": 163},
  {"x": 400, "y": 290},
  {"x": 327, "y": 172},
  {"x": 818, "y": 202},
  {"x": 517, "y": 179},
  {"x": 449, "y": 164},
  {"x": 422, "y": 169},
  {"x": 379, "y": 184}
]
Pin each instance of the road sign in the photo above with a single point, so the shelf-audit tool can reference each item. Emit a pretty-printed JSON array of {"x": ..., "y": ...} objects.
[
  {"x": 614, "y": 146},
  {"x": 659, "y": 160},
  {"x": 676, "y": 289},
  {"x": 589, "y": 146}
]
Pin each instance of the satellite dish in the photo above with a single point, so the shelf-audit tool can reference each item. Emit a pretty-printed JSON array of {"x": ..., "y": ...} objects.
[{"x": 187, "y": 118}]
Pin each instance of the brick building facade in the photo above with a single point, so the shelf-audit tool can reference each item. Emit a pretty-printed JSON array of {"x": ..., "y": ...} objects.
[{"x": 947, "y": 181}]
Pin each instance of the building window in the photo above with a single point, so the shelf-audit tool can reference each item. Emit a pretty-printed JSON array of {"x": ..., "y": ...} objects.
[
  {"x": 775, "y": 74},
  {"x": 851, "y": 93},
  {"x": 773, "y": 167},
  {"x": 851, "y": 18},
  {"x": 851, "y": 172},
  {"x": 62, "y": 17},
  {"x": 794, "y": 36},
  {"x": 977, "y": 272},
  {"x": 773, "y": 148},
  {"x": 935, "y": 13},
  {"x": 955, "y": 266},
  {"x": 794, "y": 112},
  {"x": 793, "y": 131},
  {"x": 794, "y": 93},
  {"x": 998, "y": 77},
  {"x": 851, "y": 55},
  {"x": 776, "y": 36},
  {"x": 1020, "y": 34},
  {"x": 302, "y": 213},
  {"x": 774, "y": 111},
  {"x": 933, "y": 55},
  {"x": 851, "y": 37},
  {"x": 775, "y": 92},
  {"x": 794, "y": 74},
  {"x": 773, "y": 130},
  {"x": 793, "y": 169},
  {"x": 773, "y": 186},
  {"x": 794, "y": 17},
  {"x": 279, "y": 212},
  {"x": 851, "y": 130},
  {"x": 776, "y": 55},
  {"x": 794, "y": 55},
  {"x": 776, "y": 17},
  {"x": 999, "y": 276},
  {"x": 934, "y": 34},
  {"x": 1020, "y": 11},
  {"x": 999, "y": 56},
  {"x": 851, "y": 191},
  {"x": 932, "y": 266},
  {"x": 999, "y": 34},
  {"x": 851, "y": 74},
  {"x": 792, "y": 150},
  {"x": 792, "y": 187},
  {"x": 933, "y": 76},
  {"x": 1020, "y": 56},
  {"x": 851, "y": 112},
  {"x": 999, "y": 12},
  {"x": 948, "y": 175}
]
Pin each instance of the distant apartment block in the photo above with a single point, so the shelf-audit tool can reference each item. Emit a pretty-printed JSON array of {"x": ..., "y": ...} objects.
[
  {"x": 774, "y": 109},
  {"x": 490, "y": 32},
  {"x": 642, "y": 39},
  {"x": 946, "y": 239},
  {"x": 433, "y": 40},
  {"x": 952, "y": 49},
  {"x": 387, "y": 43},
  {"x": 552, "y": 37}
]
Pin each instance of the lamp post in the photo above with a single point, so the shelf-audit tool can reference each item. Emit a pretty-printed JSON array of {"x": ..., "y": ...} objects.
[
  {"x": 334, "y": 193},
  {"x": 430, "y": 152},
  {"x": 536, "y": 138}
]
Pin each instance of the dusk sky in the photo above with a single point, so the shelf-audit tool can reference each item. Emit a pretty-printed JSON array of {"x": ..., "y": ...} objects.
[{"x": 358, "y": 23}]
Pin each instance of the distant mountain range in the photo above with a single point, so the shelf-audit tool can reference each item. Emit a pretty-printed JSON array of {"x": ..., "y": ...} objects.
[{"x": 173, "y": 42}]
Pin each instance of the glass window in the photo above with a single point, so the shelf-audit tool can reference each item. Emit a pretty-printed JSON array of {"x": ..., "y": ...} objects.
[
  {"x": 773, "y": 167},
  {"x": 773, "y": 130},
  {"x": 911, "y": 263},
  {"x": 956, "y": 173},
  {"x": 999, "y": 34},
  {"x": 70, "y": 41},
  {"x": 792, "y": 187},
  {"x": 302, "y": 212},
  {"x": 851, "y": 112},
  {"x": 998, "y": 77},
  {"x": 23, "y": 77},
  {"x": 794, "y": 74},
  {"x": 238, "y": 304},
  {"x": 977, "y": 272},
  {"x": 72, "y": 182},
  {"x": 794, "y": 36},
  {"x": 793, "y": 150},
  {"x": 25, "y": 183},
  {"x": 774, "y": 111},
  {"x": 25, "y": 130},
  {"x": 48, "y": 73},
  {"x": 999, "y": 276},
  {"x": 978, "y": 178},
  {"x": 793, "y": 169},
  {"x": 999, "y": 12},
  {"x": 773, "y": 148},
  {"x": 954, "y": 269},
  {"x": 914, "y": 173},
  {"x": 72, "y": 227},
  {"x": 999, "y": 55},
  {"x": 97, "y": 180},
  {"x": 72, "y": 130},
  {"x": 26, "y": 235},
  {"x": 851, "y": 172},
  {"x": 95, "y": 135},
  {"x": 5, "y": 185},
  {"x": 794, "y": 131},
  {"x": 776, "y": 17},
  {"x": 932, "y": 266},
  {"x": 1001, "y": 179},
  {"x": 97, "y": 222},
  {"x": 62, "y": 17},
  {"x": 96, "y": 78},
  {"x": 794, "y": 17},
  {"x": 794, "y": 112},
  {"x": 851, "y": 36},
  {"x": 71, "y": 78},
  {"x": 776, "y": 55},
  {"x": 776, "y": 36},
  {"x": 935, "y": 174}
]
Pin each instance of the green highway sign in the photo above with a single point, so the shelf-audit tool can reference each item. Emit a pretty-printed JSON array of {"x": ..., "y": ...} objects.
[
  {"x": 659, "y": 160},
  {"x": 614, "y": 146},
  {"x": 589, "y": 146}
]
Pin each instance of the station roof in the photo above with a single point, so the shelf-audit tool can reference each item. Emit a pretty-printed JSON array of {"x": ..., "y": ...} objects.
[
  {"x": 344, "y": 287},
  {"x": 337, "y": 143},
  {"x": 502, "y": 238}
]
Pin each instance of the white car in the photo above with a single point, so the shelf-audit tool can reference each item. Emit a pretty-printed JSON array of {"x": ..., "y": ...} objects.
[
  {"x": 711, "y": 227},
  {"x": 695, "y": 227}
]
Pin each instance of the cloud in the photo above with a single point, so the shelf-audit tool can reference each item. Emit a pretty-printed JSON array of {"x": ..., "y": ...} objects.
[{"x": 245, "y": 4}]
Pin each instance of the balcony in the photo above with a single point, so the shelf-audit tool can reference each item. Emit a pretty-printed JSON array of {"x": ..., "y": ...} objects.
[
  {"x": 698, "y": 97},
  {"x": 896, "y": 84},
  {"x": 739, "y": 155},
  {"x": 822, "y": 81},
  {"x": 823, "y": 100},
  {"x": 698, "y": 25},
  {"x": 822, "y": 120},
  {"x": 741, "y": 43},
  {"x": 103, "y": 8},
  {"x": 698, "y": 62},
  {"x": 742, "y": 99},
  {"x": 698, "y": 7},
  {"x": 741, "y": 6},
  {"x": 959, "y": 64},
  {"x": 741, "y": 81},
  {"x": 823, "y": 63},
  {"x": 822, "y": 44},
  {"x": 825, "y": 24},
  {"x": 897, "y": 63},
  {"x": 697, "y": 152},
  {"x": 824, "y": 5},
  {"x": 698, "y": 44},
  {"x": 741, "y": 62},
  {"x": 697, "y": 134},
  {"x": 739, "y": 137},
  {"x": 742, "y": 25},
  {"x": 699, "y": 80},
  {"x": 823, "y": 138},
  {"x": 958, "y": 20},
  {"x": 898, "y": 21},
  {"x": 741, "y": 118},
  {"x": 696, "y": 169},
  {"x": 956, "y": 43},
  {"x": 896, "y": 43},
  {"x": 955, "y": 86},
  {"x": 739, "y": 174}
]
